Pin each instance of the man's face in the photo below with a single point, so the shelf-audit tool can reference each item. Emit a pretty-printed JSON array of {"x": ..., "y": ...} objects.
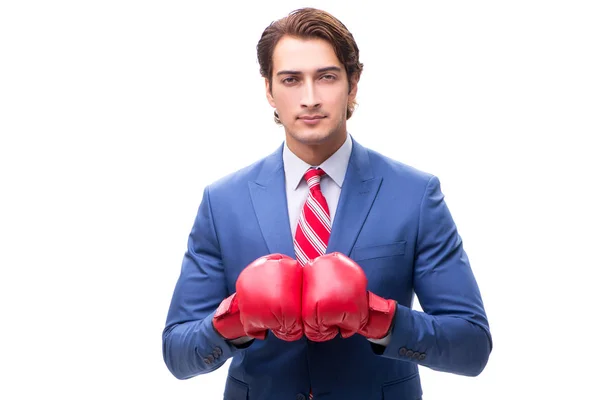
[{"x": 309, "y": 91}]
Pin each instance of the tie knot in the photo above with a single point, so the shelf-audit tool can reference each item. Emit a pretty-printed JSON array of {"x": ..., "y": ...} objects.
[{"x": 313, "y": 177}]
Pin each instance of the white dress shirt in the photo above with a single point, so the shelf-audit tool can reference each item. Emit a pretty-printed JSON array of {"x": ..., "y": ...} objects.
[{"x": 296, "y": 187}]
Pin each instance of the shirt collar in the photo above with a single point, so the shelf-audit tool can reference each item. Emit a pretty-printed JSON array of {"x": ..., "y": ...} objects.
[{"x": 335, "y": 166}]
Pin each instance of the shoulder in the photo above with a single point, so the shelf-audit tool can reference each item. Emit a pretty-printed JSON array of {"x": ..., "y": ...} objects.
[
  {"x": 237, "y": 181},
  {"x": 398, "y": 171}
]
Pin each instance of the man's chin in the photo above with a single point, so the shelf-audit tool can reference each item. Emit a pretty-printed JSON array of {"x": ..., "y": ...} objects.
[{"x": 311, "y": 138}]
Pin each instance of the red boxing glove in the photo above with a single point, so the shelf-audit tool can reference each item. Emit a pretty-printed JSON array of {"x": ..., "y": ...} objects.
[
  {"x": 268, "y": 297},
  {"x": 335, "y": 298}
]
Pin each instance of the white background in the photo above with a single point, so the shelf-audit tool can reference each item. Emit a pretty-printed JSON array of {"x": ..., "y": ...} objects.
[{"x": 114, "y": 115}]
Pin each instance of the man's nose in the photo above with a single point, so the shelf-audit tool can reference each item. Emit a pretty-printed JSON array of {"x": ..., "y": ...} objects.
[{"x": 310, "y": 98}]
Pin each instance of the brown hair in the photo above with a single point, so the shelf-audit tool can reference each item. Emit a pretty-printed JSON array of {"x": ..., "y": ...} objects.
[{"x": 311, "y": 23}]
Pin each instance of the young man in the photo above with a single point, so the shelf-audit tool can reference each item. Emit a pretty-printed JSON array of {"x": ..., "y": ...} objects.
[{"x": 303, "y": 266}]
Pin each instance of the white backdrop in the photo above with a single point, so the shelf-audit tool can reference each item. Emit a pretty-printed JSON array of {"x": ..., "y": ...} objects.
[{"x": 114, "y": 115}]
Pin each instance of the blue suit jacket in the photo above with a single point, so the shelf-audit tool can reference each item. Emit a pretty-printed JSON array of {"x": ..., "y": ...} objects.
[{"x": 393, "y": 221}]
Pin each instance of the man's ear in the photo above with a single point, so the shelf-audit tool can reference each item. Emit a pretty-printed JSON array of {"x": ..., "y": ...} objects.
[
  {"x": 269, "y": 93},
  {"x": 353, "y": 88}
]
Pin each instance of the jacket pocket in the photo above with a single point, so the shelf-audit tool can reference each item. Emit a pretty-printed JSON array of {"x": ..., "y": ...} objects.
[
  {"x": 235, "y": 389},
  {"x": 408, "y": 388},
  {"x": 379, "y": 251}
]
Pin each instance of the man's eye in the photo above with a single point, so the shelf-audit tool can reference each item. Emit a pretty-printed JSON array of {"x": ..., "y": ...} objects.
[
  {"x": 289, "y": 80},
  {"x": 329, "y": 77}
]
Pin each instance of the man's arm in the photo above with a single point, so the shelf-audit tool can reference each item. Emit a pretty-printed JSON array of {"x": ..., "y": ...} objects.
[
  {"x": 191, "y": 345},
  {"x": 452, "y": 334}
]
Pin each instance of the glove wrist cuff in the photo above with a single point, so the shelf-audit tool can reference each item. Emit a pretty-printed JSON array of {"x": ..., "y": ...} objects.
[
  {"x": 381, "y": 316},
  {"x": 226, "y": 320}
]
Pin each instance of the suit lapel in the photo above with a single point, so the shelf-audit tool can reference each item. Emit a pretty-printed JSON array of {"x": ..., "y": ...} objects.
[
  {"x": 359, "y": 190},
  {"x": 270, "y": 205},
  {"x": 269, "y": 200}
]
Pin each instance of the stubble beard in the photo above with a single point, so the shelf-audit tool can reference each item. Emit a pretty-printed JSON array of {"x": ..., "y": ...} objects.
[{"x": 315, "y": 139}]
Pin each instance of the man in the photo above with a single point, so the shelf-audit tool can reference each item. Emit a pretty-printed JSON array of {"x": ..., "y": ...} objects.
[{"x": 303, "y": 266}]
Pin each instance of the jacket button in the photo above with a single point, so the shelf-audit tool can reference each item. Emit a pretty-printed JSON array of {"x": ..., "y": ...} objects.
[
  {"x": 206, "y": 361},
  {"x": 217, "y": 351},
  {"x": 416, "y": 355},
  {"x": 300, "y": 396},
  {"x": 422, "y": 357},
  {"x": 409, "y": 353},
  {"x": 402, "y": 351},
  {"x": 210, "y": 358}
]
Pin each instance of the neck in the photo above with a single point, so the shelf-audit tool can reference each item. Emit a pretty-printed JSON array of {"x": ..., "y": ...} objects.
[{"x": 316, "y": 154}]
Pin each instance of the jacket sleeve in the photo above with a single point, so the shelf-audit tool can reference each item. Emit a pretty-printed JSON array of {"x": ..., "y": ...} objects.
[
  {"x": 452, "y": 333},
  {"x": 190, "y": 344}
]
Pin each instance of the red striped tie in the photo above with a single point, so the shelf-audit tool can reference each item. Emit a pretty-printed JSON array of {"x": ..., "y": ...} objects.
[{"x": 314, "y": 224}]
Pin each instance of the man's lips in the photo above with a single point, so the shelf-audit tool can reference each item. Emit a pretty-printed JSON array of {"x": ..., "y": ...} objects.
[{"x": 311, "y": 117}]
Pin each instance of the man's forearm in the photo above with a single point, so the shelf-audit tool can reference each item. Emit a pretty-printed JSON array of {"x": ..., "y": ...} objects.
[
  {"x": 195, "y": 348},
  {"x": 444, "y": 343}
]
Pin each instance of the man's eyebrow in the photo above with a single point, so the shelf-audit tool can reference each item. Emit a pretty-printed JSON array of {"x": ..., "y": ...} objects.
[{"x": 324, "y": 69}]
